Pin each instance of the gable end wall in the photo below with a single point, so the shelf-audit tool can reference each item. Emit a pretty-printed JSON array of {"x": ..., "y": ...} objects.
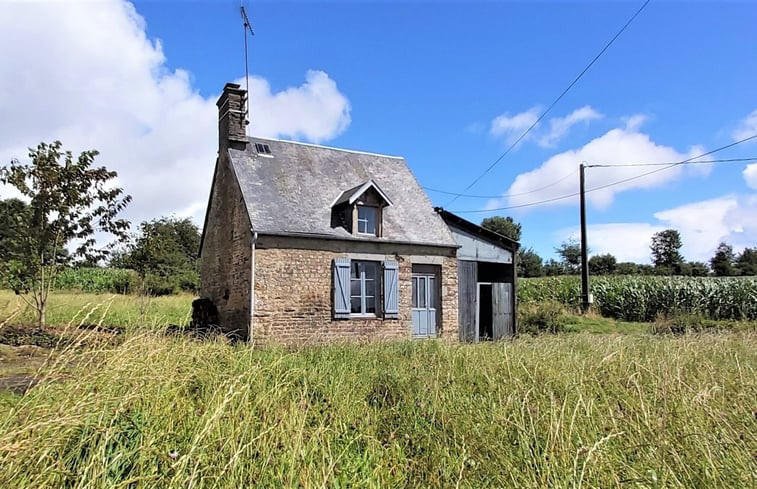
[{"x": 227, "y": 252}]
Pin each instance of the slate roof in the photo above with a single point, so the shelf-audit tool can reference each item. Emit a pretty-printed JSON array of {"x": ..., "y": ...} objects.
[{"x": 291, "y": 192}]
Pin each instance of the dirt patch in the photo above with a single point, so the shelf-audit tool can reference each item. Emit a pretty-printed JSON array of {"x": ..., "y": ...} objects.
[
  {"x": 26, "y": 336},
  {"x": 17, "y": 383}
]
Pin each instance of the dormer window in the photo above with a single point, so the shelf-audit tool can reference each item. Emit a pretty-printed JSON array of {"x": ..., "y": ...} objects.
[
  {"x": 366, "y": 219},
  {"x": 360, "y": 210}
]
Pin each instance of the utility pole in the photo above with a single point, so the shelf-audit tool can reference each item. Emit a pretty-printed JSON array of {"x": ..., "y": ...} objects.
[{"x": 586, "y": 299}]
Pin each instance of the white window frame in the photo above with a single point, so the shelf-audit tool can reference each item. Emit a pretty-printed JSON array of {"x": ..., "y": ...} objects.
[
  {"x": 376, "y": 291},
  {"x": 376, "y": 217}
]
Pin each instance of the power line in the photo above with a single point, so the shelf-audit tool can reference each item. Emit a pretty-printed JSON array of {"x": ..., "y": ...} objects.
[
  {"x": 503, "y": 195},
  {"x": 728, "y": 160},
  {"x": 618, "y": 182},
  {"x": 564, "y": 92},
  {"x": 606, "y": 165}
]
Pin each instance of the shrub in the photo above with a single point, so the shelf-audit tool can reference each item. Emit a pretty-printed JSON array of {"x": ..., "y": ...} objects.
[{"x": 545, "y": 317}]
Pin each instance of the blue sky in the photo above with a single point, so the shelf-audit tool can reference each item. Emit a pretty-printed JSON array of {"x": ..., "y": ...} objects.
[{"x": 447, "y": 85}]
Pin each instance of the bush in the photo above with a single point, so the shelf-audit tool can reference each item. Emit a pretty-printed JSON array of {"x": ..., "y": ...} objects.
[{"x": 545, "y": 317}]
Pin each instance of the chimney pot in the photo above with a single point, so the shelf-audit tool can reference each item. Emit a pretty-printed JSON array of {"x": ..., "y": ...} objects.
[{"x": 232, "y": 123}]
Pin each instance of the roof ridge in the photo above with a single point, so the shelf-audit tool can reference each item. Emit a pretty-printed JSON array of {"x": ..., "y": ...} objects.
[{"x": 345, "y": 150}]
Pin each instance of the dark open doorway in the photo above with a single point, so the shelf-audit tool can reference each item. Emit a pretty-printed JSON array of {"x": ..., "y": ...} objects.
[{"x": 485, "y": 323}]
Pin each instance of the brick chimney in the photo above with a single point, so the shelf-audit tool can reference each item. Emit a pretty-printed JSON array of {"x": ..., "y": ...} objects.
[{"x": 232, "y": 126}]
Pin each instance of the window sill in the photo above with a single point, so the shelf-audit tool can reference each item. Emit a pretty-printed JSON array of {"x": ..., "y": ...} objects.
[{"x": 364, "y": 316}]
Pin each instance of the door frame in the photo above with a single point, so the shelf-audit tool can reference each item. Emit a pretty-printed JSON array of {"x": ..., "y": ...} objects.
[{"x": 433, "y": 295}]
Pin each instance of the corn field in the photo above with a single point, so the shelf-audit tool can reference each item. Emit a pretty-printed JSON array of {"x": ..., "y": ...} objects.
[{"x": 646, "y": 298}]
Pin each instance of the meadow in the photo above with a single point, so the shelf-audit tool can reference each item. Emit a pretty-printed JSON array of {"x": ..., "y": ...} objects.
[
  {"x": 74, "y": 308},
  {"x": 606, "y": 404},
  {"x": 574, "y": 410}
]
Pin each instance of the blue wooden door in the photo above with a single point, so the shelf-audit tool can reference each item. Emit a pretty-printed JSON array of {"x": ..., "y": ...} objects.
[{"x": 424, "y": 305}]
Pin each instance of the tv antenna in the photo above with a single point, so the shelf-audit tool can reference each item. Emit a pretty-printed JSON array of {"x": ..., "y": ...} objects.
[{"x": 247, "y": 27}]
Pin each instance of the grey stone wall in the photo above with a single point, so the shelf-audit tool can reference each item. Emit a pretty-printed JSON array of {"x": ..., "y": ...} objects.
[
  {"x": 225, "y": 268},
  {"x": 293, "y": 303}
]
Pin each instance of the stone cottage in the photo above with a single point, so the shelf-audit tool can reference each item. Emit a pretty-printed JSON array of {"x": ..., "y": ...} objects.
[{"x": 309, "y": 243}]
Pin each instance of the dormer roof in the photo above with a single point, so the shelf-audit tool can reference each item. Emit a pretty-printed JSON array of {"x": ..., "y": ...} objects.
[{"x": 350, "y": 196}]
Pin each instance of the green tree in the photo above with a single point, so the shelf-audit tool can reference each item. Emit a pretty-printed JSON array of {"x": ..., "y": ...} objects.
[
  {"x": 723, "y": 261},
  {"x": 747, "y": 262},
  {"x": 505, "y": 226},
  {"x": 69, "y": 201},
  {"x": 13, "y": 214},
  {"x": 666, "y": 255},
  {"x": 529, "y": 263},
  {"x": 570, "y": 252},
  {"x": 553, "y": 268},
  {"x": 627, "y": 268},
  {"x": 164, "y": 254},
  {"x": 602, "y": 264},
  {"x": 697, "y": 269}
]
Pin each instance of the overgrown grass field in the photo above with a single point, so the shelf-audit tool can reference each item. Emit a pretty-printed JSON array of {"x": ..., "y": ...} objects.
[
  {"x": 108, "y": 310},
  {"x": 561, "y": 411}
]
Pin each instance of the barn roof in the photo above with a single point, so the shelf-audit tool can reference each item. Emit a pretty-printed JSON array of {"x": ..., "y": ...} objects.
[
  {"x": 291, "y": 191},
  {"x": 478, "y": 231}
]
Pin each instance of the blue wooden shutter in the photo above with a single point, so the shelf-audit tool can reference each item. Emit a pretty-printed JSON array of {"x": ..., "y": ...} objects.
[
  {"x": 391, "y": 290},
  {"x": 341, "y": 288}
]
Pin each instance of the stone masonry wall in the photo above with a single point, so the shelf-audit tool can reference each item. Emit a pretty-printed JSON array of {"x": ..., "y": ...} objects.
[
  {"x": 226, "y": 253},
  {"x": 293, "y": 301}
]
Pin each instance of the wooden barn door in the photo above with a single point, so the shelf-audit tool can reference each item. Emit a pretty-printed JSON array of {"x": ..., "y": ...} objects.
[
  {"x": 467, "y": 304},
  {"x": 502, "y": 311}
]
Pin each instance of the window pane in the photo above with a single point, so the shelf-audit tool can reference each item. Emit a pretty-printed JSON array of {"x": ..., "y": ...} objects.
[
  {"x": 431, "y": 293},
  {"x": 370, "y": 268},
  {"x": 355, "y": 269},
  {"x": 370, "y": 287},
  {"x": 421, "y": 292},
  {"x": 366, "y": 219},
  {"x": 415, "y": 292},
  {"x": 355, "y": 305},
  {"x": 355, "y": 287},
  {"x": 370, "y": 305}
]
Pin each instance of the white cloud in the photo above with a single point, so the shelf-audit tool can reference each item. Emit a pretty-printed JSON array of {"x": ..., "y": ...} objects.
[
  {"x": 87, "y": 74},
  {"x": 618, "y": 146},
  {"x": 750, "y": 175},
  {"x": 747, "y": 127},
  {"x": 625, "y": 241},
  {"x": 511, "y": 127},
  {"x": 703, "y": 225},
  {"x": 315, "y": 111},
  {"x": 634, "y": 122},
  {"x": 559, "y": 126}
]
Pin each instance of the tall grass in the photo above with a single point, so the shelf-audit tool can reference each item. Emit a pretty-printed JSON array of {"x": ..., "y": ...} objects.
[
  {"x": 646, "y": 298},
  {"x": 567, "y": 411},
  {"x": 110, "y": 310}
]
